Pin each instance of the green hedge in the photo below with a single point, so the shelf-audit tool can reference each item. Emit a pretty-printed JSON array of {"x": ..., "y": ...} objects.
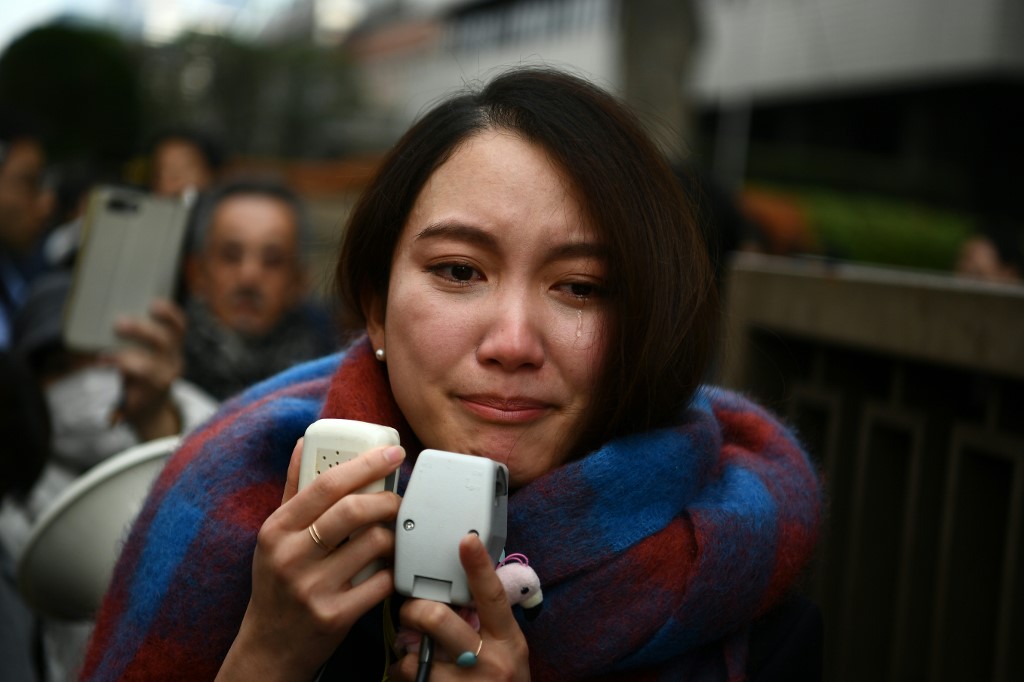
[{"x": 881, "y": 230}]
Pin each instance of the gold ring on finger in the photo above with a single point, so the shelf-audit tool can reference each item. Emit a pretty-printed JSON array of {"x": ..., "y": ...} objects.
[{"x": 316, "y": 538}]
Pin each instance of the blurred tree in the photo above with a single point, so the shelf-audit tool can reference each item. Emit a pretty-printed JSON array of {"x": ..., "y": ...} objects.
[
  {"x": 282, "y": 99},
  {"x": 81, "y": 86}
]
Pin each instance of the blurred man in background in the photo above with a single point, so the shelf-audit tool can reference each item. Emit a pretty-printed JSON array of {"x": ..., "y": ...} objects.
[
  {"x": 24, "y": 205},
  {"x": 248, "y": 316},
  {"x": 183, "y": 159}
]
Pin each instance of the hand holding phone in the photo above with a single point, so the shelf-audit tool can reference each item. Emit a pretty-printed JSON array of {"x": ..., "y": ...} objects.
[{"x": 150, "y": 362}]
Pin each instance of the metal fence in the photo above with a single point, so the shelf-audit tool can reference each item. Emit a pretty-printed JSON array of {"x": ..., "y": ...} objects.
[{"x": 908, "y": 388}]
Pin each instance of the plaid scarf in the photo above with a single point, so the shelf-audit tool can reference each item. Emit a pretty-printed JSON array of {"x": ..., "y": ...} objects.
[{"x": 654, "y": 552}]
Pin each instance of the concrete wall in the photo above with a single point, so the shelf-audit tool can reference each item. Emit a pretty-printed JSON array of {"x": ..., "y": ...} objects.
[{"x": 773, "y": 48}]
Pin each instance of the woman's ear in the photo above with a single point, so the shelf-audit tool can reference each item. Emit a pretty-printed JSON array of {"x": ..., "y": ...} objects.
[{"x": 374, "y": 307}]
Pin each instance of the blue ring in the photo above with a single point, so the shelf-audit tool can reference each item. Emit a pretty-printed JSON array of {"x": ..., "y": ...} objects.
[{"x": 467, "y": 659}]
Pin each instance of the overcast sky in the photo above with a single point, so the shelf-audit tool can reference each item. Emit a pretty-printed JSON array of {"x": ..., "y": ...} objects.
[{"x": 19, "y": 16}]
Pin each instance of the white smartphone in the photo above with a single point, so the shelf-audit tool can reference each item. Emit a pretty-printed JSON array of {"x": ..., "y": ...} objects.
[
  {"x": 330, "y": 442},
  {"x": 130, "y": 250}
]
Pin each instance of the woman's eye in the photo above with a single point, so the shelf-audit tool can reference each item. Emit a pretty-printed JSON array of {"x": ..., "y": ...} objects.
[
  {"x": 582, "y": 290},
  {"x": 455, "y": 272},
  {"x": 462, "y": 273}
]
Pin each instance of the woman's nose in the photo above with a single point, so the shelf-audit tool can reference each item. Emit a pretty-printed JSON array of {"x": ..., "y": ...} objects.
[{"x": 513, "y": 337}]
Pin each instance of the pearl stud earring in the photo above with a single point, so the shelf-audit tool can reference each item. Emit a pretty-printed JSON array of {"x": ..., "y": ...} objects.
[{"x": 379, "y": 354}]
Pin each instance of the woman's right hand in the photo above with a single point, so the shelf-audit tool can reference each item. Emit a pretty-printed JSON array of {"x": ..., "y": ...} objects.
[{"x": 303, "y": 603}]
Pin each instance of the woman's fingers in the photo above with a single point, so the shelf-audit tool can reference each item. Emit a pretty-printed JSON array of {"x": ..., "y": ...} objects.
[
  {"x": 294, "y": 571},
  {"x": 328, "y": 589},
  {"x": 328, "y": 488},
  {"x": 497, "y": 652},
  {"x": 351, "y": 514},
  {"x": 367, "y": 594},
  {"x": 488, "y": 593},
  {"x": 297, "y": 611},
  {"x": 353, "y": 530},
  {"x": 451, "y": 634}
]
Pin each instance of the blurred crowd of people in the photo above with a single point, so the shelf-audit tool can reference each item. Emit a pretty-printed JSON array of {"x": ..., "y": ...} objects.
[{"x": 242, "y": 312}]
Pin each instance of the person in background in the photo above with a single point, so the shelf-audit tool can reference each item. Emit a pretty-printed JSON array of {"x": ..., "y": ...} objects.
[
  {"x": 99, "y": 404},
  {"x": 248, "y": 313},
  {"x": 25, "y": 204},
  {"x": 993, "y": 254},
  {"x": 535, "y": 291},
  {"x": 184, "y": 158},
  {"x": 73, "y": 181}
]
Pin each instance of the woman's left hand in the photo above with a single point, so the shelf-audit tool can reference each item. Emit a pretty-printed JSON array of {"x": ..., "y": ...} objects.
[{"x": 503, "y": 654}]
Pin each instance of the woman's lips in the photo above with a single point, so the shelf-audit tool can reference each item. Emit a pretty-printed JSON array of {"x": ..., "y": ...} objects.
[{"x": 514, "y": 410}]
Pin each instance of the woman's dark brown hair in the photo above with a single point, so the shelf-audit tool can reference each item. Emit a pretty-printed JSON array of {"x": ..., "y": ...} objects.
[{"x": 664, "y": 308}]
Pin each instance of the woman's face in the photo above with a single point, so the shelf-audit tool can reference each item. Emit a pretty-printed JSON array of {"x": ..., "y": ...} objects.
[{"x": 494, "y": 326}]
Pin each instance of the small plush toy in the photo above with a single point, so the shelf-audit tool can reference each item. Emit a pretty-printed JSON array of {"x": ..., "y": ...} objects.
[{"x": 522, "y": 586}]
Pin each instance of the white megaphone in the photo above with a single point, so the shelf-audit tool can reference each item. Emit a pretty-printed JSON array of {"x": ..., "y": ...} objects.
[{"x": 73, "y": 546}]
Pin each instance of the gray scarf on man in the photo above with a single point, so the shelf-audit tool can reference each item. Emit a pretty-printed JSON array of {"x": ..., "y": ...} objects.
[{"x": 223, "y": 361}]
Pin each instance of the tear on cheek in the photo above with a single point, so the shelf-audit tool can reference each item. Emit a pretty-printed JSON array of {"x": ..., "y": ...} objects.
[{"x": 588, "y": 330}]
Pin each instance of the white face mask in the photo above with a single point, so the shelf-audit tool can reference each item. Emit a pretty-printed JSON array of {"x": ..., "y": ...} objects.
[{"x": 80, "y": 407}]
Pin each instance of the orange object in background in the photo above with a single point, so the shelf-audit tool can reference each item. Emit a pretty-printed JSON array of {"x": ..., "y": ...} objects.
[{"x": 782, "y": 224}]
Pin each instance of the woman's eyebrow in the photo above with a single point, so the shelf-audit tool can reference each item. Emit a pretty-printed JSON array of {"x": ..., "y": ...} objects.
[
  {"x": 578, "y": 250},
  {"x": 486, "y": 240},
  {"x": 459, "y": 231}
]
